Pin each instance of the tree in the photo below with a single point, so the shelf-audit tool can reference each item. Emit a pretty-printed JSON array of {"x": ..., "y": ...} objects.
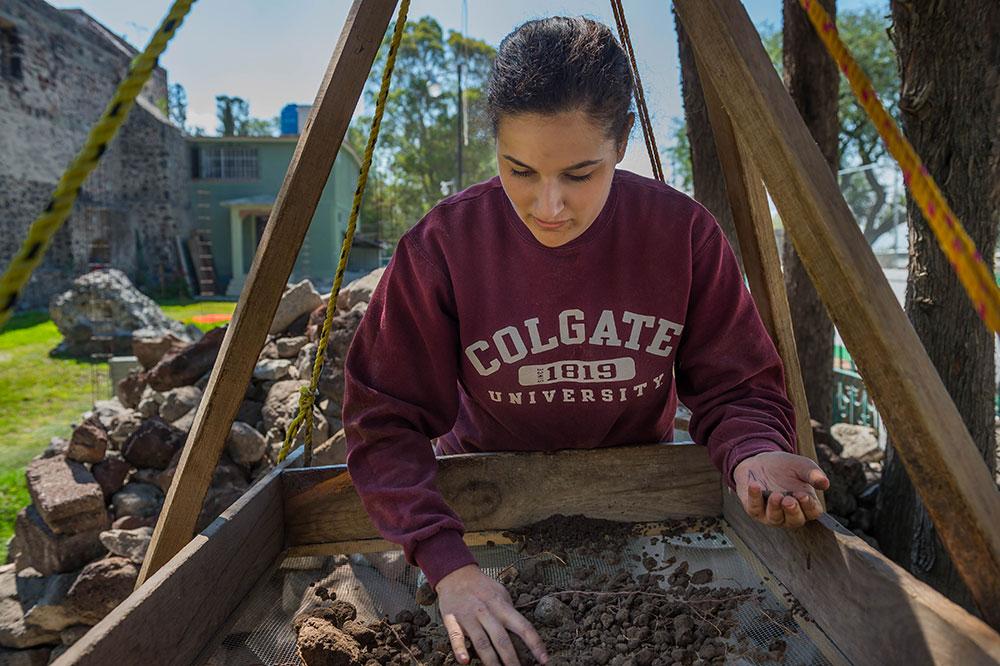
[
  {"x": 177, "y": 102},
  {"x": 706, "y": 169},
  {"x": 949, "y": 109},
  {"x": 234, "y": 118},
  {"x": 418, "y": 141},
  {"x": 812, "y": 80}
]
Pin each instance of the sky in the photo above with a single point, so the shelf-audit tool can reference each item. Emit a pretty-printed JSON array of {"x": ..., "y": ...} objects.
[{"x": 272, "y": 53}]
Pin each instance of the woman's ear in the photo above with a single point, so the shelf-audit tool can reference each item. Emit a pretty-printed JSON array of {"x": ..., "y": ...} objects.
[{"x": 623, "y": 143}]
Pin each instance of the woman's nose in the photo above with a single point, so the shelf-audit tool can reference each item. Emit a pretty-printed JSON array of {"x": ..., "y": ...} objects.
[{"x": 550, "y": 203}]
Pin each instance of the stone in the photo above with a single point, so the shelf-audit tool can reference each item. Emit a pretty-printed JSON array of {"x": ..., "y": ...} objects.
[
  {"x": 150, "y": 346},
  {"x": 89, "y": 442},
  {"x": 320, "y": 643},
  {"x": 71, "y": 635},
  {"x": 250, "y": 412},
  {"x": 49, "y": 609},
  {"x": 272, "y": 369},
  {"x": 131, "y": 544},
  {"x": 120, "y": 366},
  {"x": 137, "y": 499},
  {"x": 129, "y": 390},
  {"x": 344, "y": 326},
  {"x": 133, "y": 522},
  {"x": 290, "y": 347},
  {"x": 269, "y": 350},
  {"x": 331, "y": 452},
  {"x": 281, "y": 406},
  {"x": 100, "y": 587},
  {"x": 105, "y": 303},
  {"x": 153, "y": 444},
  {"x": 66, "y": 495},
  {"x": 148, "y": 407},
  {"x": 166, "y": 477},
  {"x": 57, "y": 447},
  {"x": 245, "y": 445},
  {"x": 858, "y": 442},
  {"x": 217, "y": 500},
  {"x": 36, "y": 656},
  {"x": 110, "y": 473},
  {"x": 186, "y": 422},
  {"x": 304, "y": 361},
  {"x": 14, "y": 631},
  {"x": 51, "y": 553},
  {"x": 331, "y": 382},
  {"x": 185, "y": 366},
  {"x": 108, "y": 410},
  {"x": 179, "y": 401},
  {"x": 552, "y": 612},
  {"x": 359, "y": 290},
  {"x": 299, "y": 299}
]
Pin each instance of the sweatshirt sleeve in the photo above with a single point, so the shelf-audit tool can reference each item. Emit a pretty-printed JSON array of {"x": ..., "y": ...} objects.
[
  {"x": 728, "y": 371},
  {"x": 400, "y": 392}
]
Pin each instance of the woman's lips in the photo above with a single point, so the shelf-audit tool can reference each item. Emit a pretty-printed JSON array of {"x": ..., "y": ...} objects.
[{"x": 550, "y": 225}]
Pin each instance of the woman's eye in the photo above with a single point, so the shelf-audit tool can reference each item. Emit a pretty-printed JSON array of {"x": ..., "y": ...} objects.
[
  {"x": 520, "y": 174},
  {"x": 579, "y": 179}
]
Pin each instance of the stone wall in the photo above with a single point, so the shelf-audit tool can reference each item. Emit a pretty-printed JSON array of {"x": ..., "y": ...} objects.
[{"x": 134, "y": 205}]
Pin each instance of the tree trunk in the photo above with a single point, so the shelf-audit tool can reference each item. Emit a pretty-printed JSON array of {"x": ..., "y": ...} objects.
[
  {"x": 950, "y": 107},
  {"x": 812, "y": 80},
  {"x": 709, "y": 183}
]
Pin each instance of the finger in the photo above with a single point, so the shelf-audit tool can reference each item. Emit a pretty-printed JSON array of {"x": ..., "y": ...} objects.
[
  {"x": 500, "y": 639},
  {"x": 815, "y": 477},
  {"x": 517, "y": 623},
  {"x": 774, "y": 515},
  {"x": 456, "y": 638},
  {"x": 755, "y": 500},
  {"x": 481, "y": 642},
  {"x": 793, "y": 514},
  {"x": 811, "y": 508}
]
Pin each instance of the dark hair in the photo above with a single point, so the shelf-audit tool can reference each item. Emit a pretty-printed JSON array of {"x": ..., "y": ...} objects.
[{"x": 561, "y": 64}]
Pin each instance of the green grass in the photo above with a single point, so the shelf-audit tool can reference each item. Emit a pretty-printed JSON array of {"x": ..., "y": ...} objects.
[{"x": 41, "y": 396}]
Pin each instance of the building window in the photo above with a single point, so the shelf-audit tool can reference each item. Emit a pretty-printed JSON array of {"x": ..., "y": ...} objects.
[
  {"x": 228, "y": 163},
  {"x": 10, "y": 53}
]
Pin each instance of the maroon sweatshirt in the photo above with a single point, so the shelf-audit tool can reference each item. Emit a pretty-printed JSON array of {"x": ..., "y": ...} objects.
[{"x": 481, "y": 336}]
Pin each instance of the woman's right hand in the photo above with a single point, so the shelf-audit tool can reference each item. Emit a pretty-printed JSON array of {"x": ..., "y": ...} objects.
[{"x": 473, "y": 604}]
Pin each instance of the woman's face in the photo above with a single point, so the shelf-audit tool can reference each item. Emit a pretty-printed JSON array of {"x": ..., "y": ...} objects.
[{"x": 556, "y": 170}]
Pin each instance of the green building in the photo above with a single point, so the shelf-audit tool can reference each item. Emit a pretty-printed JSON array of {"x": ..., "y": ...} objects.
[{"x": 234, "y": 184}]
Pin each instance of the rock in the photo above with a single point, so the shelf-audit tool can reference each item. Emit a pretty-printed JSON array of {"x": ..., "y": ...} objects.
[
  {"x": 858, "y": 442},
  {"x": 153, "y": 444},
  {"x": 166, "y": 477},
  {"x": 552, "y": 612},
  {"x": 250, "y": 412},
  {"x": 322, "y": 644},
  {"x": 185, "y": 366},
  {"x": 133, "y": 522},
  {"x": 106, "y": 303},
  {"x": 49, "y": 609},
  {"x": 331, "y": 382},
  {"x": 129, "y": 390},
  {"x": 269, "y": 350},
  {"x": 71, "y": 635},
  {"x": 110, "y": 473},
  {"x": 851, "y": 472},
  {"x": 137, "y": 499},
  {"x": 304, "y": 361},
  {"x": 331, "y": 452},
  {"x": 702, "y": 577},
  {"x": 359, "y": 290},
  {"x": 148, "y": 407},
  {"x": 290, "y": 347},
  {"x": 150, "y": 346},
  {"x": 281, "y": 403},
  {"x": 179, "y": 401},
  {"x": 345, "y": 324},
  {"x": 299, "y": 299},
  {"x": 123, "y": 427},
  {"x": 186, "y": 422},
  {"x": 14, "y": 631},
  {"x": 57, "y": 447},
  {"x": 272, "y": 369},
  {"x": 107, "y": 411},
  {"x": 37, "y": 656},
  {"x": 89, "y": 442},
  {"x": 217, "y": 500},
  {"x": 245, "y": 445},
  {"x": 66, "y": 495},
  {"x": 100, "y": 587},
  {"x": 839, "y": 501},
  {"x": 51, "y": 553},
  {"x": 131, "y": 544}
]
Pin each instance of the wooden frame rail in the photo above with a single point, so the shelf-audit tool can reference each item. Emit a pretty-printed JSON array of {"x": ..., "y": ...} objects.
[
  {"x": 926, "y": 428},
  {"x": 293, "y": 211},
  {"x": 493, "y": 491}
]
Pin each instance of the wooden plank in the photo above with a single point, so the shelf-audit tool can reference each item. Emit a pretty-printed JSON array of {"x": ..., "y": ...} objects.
[
  {"x": 759, "y": 249},
  {"x": 495, "y": 491},
  {"x": 926, "y": 428},
  {"x": 872, "y": 609},
  {"x": 170, "y": 619},
  {"x": 293, "y": 211}
]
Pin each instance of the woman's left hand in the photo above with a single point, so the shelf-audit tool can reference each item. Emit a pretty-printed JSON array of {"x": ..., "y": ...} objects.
[{"x": 779, "y": 489}]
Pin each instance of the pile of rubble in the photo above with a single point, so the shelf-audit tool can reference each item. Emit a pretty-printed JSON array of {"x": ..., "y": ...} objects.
[
  {"x": 96, "y": 497},
  {"x": 851, "y": 457}
]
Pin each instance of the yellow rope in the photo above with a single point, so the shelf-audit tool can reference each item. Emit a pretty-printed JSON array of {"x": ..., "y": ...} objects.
[
  {"x": 958, "y": 247},
  {"x": 58, "y": 209},
  {"x": 307, "y": 396}
]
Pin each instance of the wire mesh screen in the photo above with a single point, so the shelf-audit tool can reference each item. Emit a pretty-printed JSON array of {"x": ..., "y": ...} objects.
[{"x": 380, "y": 585}]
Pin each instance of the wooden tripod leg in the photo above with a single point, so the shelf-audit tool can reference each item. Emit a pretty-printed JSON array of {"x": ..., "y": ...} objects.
[
  {"x": 928, "y": 433},
  {"x": 759, "y": 250},
  {"x": 293, "y": 210}
]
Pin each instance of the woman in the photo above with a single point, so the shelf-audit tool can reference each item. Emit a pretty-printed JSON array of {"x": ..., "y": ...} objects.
[{"x": 546, "y": 309}]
